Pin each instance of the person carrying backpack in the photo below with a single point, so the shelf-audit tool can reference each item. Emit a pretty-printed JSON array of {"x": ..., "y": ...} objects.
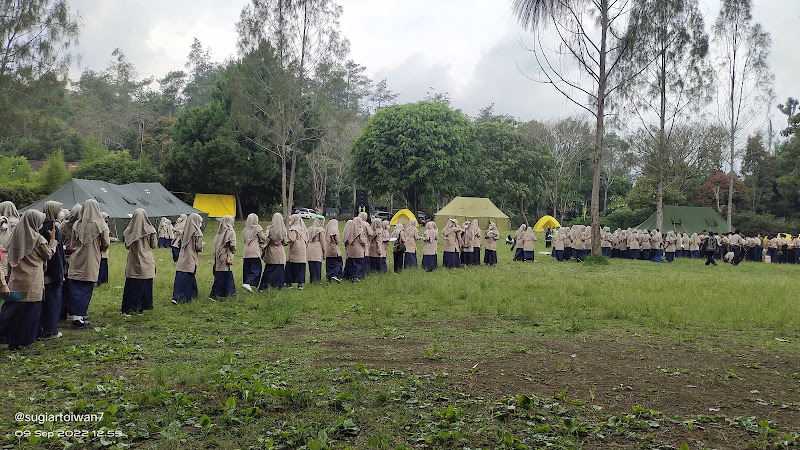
[{"x": 710, "y": 248}]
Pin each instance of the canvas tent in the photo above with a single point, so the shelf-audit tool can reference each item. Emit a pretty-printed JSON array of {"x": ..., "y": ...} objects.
[
  {"x": 468, "y": 208},
  {"x": 546, "y": 222},
  {"x": 403, "y": 216},
  {"x": 119, "y": 201},
  {"x": 216, "y": 205},
  {"x": 688, "y": 219}
]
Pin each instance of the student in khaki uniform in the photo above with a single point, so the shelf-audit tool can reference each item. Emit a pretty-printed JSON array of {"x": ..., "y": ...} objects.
[
  {"x": 28, "y": 253},
  {"x": 254, "y": 238},
  {"x": 177, "y": 232},
  {"x": 185, "y": 286},
  {"x": 378, "y": 246},
  {"x": 165, "y": 233},
  {"x": 451, "y": 245},
  {"x": 466, "y": 243},
  {"x": 476, "y": 242},
  {"x": 333, "y": 254},
  {"x": 410, "y": 238},
  {"x": 670, "y": 246},
  {"x": 274, "y": 255},
  {"x": 297, "y": 239},
  {"x": 528, "y": 245},
  {"x": 314, "y": 251},
  {"x": 558, "y": 245},
  {"x": 518, "y": 253},
  {"x": 491, "y": 237},
  {"x": 634, "y": 251},
  {"x": 52, "y": 302},
  {"x": 91, "y": 231},
  {"x": 224, "y": 249},
  {"x": 694, "y": 246},
  {"x": 644, "y": 237},
  {"x": 140, "y": 239},
  {"x": 430, "y": 261},
  {"x": 399, "y": 248},
  {"x": 357, "y": 241}
]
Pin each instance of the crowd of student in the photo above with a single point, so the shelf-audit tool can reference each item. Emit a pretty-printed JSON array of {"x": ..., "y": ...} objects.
[{"x": 52, "y": 259}]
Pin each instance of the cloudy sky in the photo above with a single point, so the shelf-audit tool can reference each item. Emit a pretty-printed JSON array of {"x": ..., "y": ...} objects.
[{"x": 470, "y": 49}]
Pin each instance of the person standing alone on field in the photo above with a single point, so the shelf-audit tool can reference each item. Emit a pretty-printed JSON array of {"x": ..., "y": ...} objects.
[{"x": 710, "y": 245}]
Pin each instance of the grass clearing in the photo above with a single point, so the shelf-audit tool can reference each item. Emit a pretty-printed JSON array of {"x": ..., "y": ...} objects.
[{"x": 625, "y": 355}]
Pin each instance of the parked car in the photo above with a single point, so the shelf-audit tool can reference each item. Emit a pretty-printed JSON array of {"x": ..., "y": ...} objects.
[
  {"x": 383, "y": 215},
  {"x": 306, "y": 213}
]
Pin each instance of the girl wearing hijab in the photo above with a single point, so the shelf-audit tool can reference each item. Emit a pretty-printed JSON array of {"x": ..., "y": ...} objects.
[
  {"x": 450, "y": 247},
  {"x": 9, "y": 211},
  {"x": 224, "y": 248},
  {"x": 399, "y": 248},
  {"x": 28, "y": 252},
  {"x": 429, "y": 247},
  {"x": 528, "y": 245},
  {"x": 466, "y": 244},
  {"x": 254, "y": 239},
  {"x": 274, "y": 255},
  {"x": 315, "y": 251},
  {"x": 347, "y": 239},
  {"x": 102, "y": 276},
  {"x": 333, "y": 254},
  {"x": 377, "y": 246},
  {"x": 53, "y": 275},
  {"x": 410, "y": 237},
  {"x": 518, "y": 236},
  {"x": 177, "y": 233},
  {"x": 369, "y": 232},
  {"x": 6, "y": 229},
  {"x": 492, "y": 236},
  {"x": 297, "y": 239},
  {"x": 69, "y": 244},
  {"x": 670, "y": 246},
  {"x": 358, "y": 249},
  {"x": 558, "y": 245},
  {"x": 91, "y": 234},
  {"x": 476, "y": 242},
  {"x": 191, "y": 242},
  {"x": 140, "y": 239},
  {"x": 165, "y": 233}
]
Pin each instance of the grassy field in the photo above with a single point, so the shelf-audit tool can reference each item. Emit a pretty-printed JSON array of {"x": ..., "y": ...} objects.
[{"x": 521, "y": 355}]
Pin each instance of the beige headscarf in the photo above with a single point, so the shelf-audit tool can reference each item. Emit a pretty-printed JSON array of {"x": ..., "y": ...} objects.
[
  {"x": 431, "y": 233},
  {"x": 408, "y": 232},
  {"x": 277, "y": 229},
  {"x": 520, "y": 231},
  {"x": 51, "y": 209},
  {"x": 296, "y": 224},
  {"x": 350, "y": 232},
  {"x": 165, "y": 223},
  {"x": 398, "y": 231},
  {"x": 363, "y": 216},
  {"x": 225, "y": 233},
  {"x": 138, "y": 227},
  {"x": 251, "y": 228},
  {"x": 9, "y": 210},
  {"x": 377, "y": 226},
  {"x": 26, "y": 236},
  {"x": 5, "y": 235},
  {"x": 191, "y": 229},
  {"x": 528, "y": 235},
  {"x": 91, "y": 224},
  {"x": 474, "y": 229},
  {"x": 452, "y": 225},
  {"x": 332, "y": 229},
  {"x": 316, "y": 228}
]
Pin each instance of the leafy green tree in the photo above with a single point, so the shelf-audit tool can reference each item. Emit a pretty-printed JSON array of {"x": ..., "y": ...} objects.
[
  {"x": 382, "y": 96},
  {"x": 201, "y": 76},
  {"x": 715, "y": 190},
  {"x": 54, "y": 173},
  {"x": 37, "y": 36},
  {"x": 789, "y": 181},
  {"x": 642, "y": 195},
  {"x": 792, "y": 116},
  {"x": 413, "y": 150},
  {"x": 761, "y": 170},
  {"x": 117, "y": 168}
]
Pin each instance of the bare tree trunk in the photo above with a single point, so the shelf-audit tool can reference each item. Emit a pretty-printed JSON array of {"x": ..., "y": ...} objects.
[
  {"x": 238, "y": 206},
  {"x": 292, "y": 174},
  {"x": 284, "y": 200},
  {"x": 600, "y": 131}
]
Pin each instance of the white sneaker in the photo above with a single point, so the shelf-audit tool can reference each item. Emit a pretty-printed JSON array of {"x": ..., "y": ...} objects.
[
  {"x": 174, "y": 302},
  {"x": 54, "y": 336},
  {"x": 299, "y": 287},
  {"x": 212, "y": 299},
  {"x": 247, "y": 287}
]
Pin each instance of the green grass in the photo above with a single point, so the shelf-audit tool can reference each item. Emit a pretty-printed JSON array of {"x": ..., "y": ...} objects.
[{"x": 407, "y": 360}]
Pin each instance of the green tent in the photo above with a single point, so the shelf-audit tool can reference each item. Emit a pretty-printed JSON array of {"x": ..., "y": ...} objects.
[
  {"x": 468, "y": 208},
  {"x": 688, "y": 219},
  {"x": 119, "y": 201}
]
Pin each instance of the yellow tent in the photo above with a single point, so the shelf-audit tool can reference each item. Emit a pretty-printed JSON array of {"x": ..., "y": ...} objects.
[
  {"x": 403, "y": 216},
  {"x": 546, "y": 222},
  {"x": 216, "y": 205}
]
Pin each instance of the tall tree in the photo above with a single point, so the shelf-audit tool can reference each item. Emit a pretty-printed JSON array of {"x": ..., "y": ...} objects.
[
  {"x": 201, "y": 75},
  {"x": 37, "y": 36},
  {"x": 382, "y": 96},
  {"x": 674, "y": 84},
  {"x": 597, "y": 37},
  {"x": 303, "y": 34},
  {"x": 745, "y": 78}
]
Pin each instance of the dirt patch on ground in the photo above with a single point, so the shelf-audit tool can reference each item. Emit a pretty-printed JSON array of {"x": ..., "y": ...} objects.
[{"x": 682, "y": 379}]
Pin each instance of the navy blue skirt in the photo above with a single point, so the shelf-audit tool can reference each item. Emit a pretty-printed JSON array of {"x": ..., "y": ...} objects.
[
  {"x": 634, "y": 253},
  {"x": 476, "y": 256},
  {"x": 251, "y": 271},
  {"x": 450, "y": 260},
  {"x": 102, "y": 276},
  {"x": 272, "y": 277},
  {"x": 295, "y": 273},
  {"x": 410, "y": 260},
  {"x": 359, "y": 268},
  {"x": 466, "y": 258},
  {"x": 80, "y": 294},
  {"x": 378, "y": 264},
  {"x": 430, "y": 262},
  {"x": 528, "y": 255},
  {"x": 185, "y": 288},
  {"x": 333, "y": 267},
  {"x": 519, "y": 254},
  {"x": 349, "y": 269},
  {"x": 51, "y": 309},
  {"x": 670, "y": 256},
  {"x": 368, "y": 262},
  {"x": 176, "y": 251},
  {"x": 137, "y": 295},
  {"x": 490, "y": 257},
  {"x": 164, "y": 242},
  {"x": 224, "y": 285},
  {"x": 19, "y": 323},
  {"x": 315, "y": 271}
]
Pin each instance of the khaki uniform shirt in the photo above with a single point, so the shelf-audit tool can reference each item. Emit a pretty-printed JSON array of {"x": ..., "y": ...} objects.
[
  {"x": 141, "y": 264},
  {"x": 28, "y": 277},
  {"x": 187, "y": 260},
  {"x": 84, "y": 264}
]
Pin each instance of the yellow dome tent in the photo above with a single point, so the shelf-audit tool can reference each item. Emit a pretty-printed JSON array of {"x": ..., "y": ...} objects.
[
  {"x": 403, "y": 216},
  {"x": 216, "y": 205},
  {"x": 546, "y": 222}
]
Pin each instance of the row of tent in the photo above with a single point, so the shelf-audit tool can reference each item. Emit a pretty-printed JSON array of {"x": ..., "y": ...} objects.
[{"x": 119, "y": 201}]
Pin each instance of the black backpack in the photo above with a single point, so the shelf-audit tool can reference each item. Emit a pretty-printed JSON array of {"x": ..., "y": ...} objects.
[{"x": 711, "y": 243}]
